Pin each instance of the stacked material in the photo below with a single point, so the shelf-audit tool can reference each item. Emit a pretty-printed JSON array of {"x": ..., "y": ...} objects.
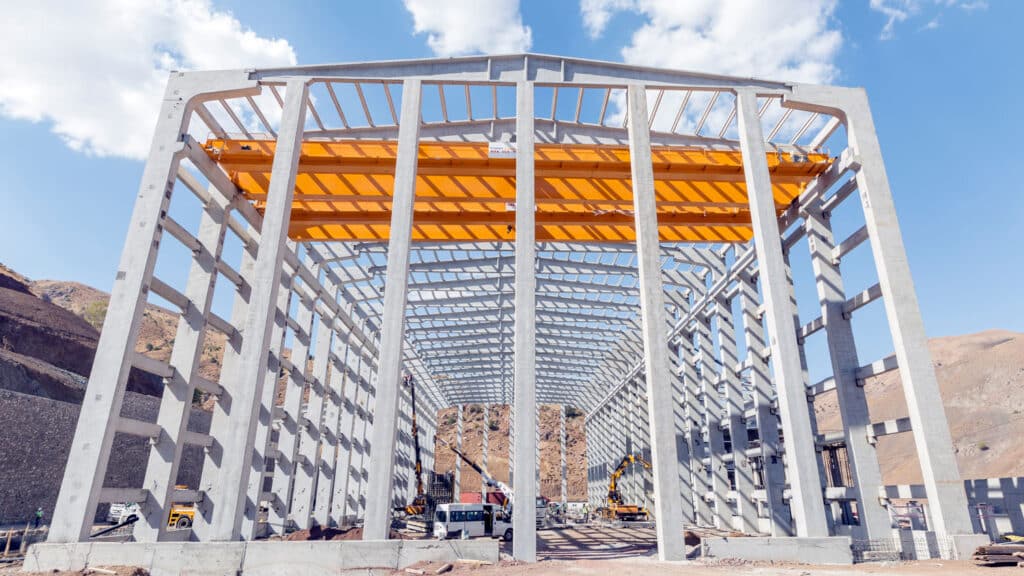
[{"x": 1003, "y": 553}]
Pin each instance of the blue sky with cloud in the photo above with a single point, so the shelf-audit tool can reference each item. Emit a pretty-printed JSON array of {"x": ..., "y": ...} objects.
[{"x": 80, "y": 86}]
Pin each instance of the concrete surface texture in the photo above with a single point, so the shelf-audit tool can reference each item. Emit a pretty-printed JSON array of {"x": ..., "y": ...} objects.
[{"x": 255, "y": 558}]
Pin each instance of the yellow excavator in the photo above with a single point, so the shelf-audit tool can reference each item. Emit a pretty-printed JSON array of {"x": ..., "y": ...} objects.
[
  {"x": 421, "y": 502},
  {"x": 617, "y": 509}
]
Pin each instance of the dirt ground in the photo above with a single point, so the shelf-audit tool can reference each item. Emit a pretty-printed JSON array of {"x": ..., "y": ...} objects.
[
  {"x": 649, "y": 567},
  {"x": 600, "y": 550}
]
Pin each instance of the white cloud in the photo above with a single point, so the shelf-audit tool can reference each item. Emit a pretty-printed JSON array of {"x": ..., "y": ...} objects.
[
  {"x": 898, "y": 11},
  {"x": 895, "y": 11},
  {"x": 456, "y": 27},
  {"x": 596, "y": 13},
  {"x": 791, "y": 40},
  {"x": 96, "y": 71}
]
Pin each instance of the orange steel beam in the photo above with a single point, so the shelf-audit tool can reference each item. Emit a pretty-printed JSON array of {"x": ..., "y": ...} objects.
[{"x": 343, "y": 190}]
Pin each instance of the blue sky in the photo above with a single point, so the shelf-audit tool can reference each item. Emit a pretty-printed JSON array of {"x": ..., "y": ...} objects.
[{"x": 943, "y": 77}]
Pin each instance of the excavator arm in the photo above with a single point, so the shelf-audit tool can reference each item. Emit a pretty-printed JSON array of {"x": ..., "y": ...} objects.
[
  {"x": 614, "y": 498},
  {"x": 506, "y": 491},
  {"x": 420, "y": 502}
]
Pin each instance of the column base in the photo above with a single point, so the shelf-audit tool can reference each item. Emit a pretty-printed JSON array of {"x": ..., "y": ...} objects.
[{"x": 828, "y": 550}]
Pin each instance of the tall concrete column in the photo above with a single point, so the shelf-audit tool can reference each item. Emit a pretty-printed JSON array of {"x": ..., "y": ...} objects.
[
  {"x": 561, "y": 453},
  {"x": 736, "y": 422},
  {"x": 652, "y": 309},
  {"x": 806, "y": 500},
  {"x": 367, "y": 456},
  {"x": 853, "y": 405},
  {"x": 329, "y": 435},
  {"x": 225, "y": 478},
  {"x": 947, "y": 501},
  {"x": 713, "y": 412},
  {"x": 252, "y": 527},
  {"x": 483, "y": 450},
  {"x": 392, "y": 333},
  {"x": 524, "y": 527},
  {"x": 176, "y": 402},
  {"x": 357, "y": 462},
  {"x": 288, "y": 433},
  {"x": 682, "y": 444},
  {"x": 94, "y": 434},
  {"x": 457, "y": 490},
  {"x": 772, "y": 468},
  {"x": 699, "y": 481},
  {"x": 346, "y": 446},
  {"x": 311, "y": 426}
]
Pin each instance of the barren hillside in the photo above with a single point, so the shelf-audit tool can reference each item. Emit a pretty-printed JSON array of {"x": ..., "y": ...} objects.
[
  {"x": 981, "y": 377},
  {"x": 156, "y": 334}
]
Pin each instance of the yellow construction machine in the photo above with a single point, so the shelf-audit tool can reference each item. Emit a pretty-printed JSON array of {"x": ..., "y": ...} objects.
[
  {"x": 421, "y": 502},
  {"x": 617, "y": 509}
]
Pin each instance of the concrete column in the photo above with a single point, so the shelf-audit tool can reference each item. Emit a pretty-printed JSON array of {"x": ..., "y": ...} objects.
[
  {"x": 346, "y": 446},
  {"x": 806, "y": 499},
  {"x": 101, "y": 404},
  {"x": 683, "y": 456},
  {"x": 176, "y": 402},
  {"x": 399, "y": 492},
  {"x": 632, "y": 490},
  {"x": 329, "y": 436},
  {"x": 285, "y": 466},
  {"x": 367, "y": 456},
  {"x": 392, "y": 333},
  {"x": 483, "y": 451},
  {"x": 251, "y": 526},
  {"x": 512, "y": 443},
  {"x": 225, "y": 489},
  {"x": 699, "y": 481},
  {"x": 561, "y": 453},
  {"x": 360, "y": 426},
  {"x": 311, "y": 427},
  {"x": 805, "y": 377},
  {"x": 713, "y": 413},
  {"x": 746, "y": 508},
  {"x": 229, "y": 367},
  {"x": 947, "y": 501},
  {"x": 524, "y": 527},
  {"x": 652, "y": 309},
  {"x": 773, "y": 471},
  {"x": 457, "y": 490},
  {"x": 853, "y": 405}
]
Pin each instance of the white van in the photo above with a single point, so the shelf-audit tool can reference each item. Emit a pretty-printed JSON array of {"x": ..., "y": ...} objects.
[{"x": 470, "y": 520}]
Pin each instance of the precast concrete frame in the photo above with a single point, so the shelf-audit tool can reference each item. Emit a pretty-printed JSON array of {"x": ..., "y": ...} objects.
[{"x": 670, "y": 348}]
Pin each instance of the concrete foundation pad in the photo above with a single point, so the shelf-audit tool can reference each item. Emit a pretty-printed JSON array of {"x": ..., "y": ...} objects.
[
  {"x": 830, "y": 550},
  {"x": 965, "y": 544},
  {"x": 255, "y": 558}
]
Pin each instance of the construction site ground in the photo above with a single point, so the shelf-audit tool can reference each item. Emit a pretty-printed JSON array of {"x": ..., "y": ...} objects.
[{"x": 599, "y": 549}]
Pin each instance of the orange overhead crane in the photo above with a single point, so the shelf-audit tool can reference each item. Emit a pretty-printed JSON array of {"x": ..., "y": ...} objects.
[{"x": 343, "y": 190}]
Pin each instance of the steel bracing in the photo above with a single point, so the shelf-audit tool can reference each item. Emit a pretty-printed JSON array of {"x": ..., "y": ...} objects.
[{"x": 518, "y": 230}]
